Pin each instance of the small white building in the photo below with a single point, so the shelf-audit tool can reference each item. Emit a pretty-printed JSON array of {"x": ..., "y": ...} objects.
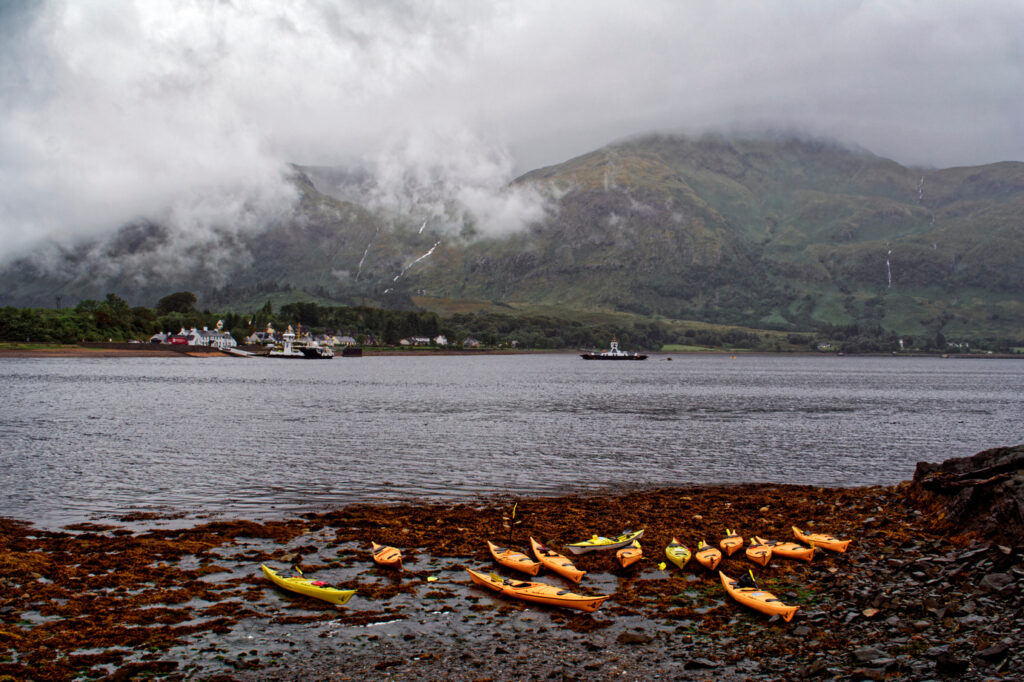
[
  {"x": 211, "y": 339},
  {"x": 415, "y": 341}
]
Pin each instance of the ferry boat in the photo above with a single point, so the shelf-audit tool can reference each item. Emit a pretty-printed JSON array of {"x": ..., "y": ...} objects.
[
  {"x": 613, "y": 353},
  {"x": 290, "y": 348}
]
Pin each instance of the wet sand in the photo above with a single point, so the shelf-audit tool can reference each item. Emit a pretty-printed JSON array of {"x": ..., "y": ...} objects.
[{"x": 135, "y": 599}]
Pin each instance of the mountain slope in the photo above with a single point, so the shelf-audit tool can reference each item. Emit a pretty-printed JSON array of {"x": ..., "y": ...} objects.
[{"x": 777, "y": 232}]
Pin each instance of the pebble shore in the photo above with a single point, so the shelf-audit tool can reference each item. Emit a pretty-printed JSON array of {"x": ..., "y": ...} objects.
[{"x": 910, "y": 599}]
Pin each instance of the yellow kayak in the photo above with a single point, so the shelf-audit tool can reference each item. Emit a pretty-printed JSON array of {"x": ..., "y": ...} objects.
[
  {"x": 757, "y": 599},
  {"x": 542, "y": 593},
  {"x": 677, "y": 553},
  {"x": 308, "y": 587},
  {"x": 828, "y": 542},
  {"x": 597, "y": 542}
]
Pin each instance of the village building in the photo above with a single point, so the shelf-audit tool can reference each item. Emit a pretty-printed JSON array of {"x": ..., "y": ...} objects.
[
  {"x": 196, "y": 337},
  {"x": 415, "y": 341},
  {"x": 211, "y": 338},
  {"x": 261, "y": 339}
]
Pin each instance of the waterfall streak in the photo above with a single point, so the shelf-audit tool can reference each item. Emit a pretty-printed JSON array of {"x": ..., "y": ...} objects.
[{"x": 406, "y": 268}]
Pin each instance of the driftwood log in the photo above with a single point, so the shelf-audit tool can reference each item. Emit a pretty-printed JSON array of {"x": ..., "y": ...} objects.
[{"x": 983, "y": 493}]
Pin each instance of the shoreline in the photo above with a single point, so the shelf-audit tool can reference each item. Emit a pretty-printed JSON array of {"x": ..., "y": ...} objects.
[
  {"x": 126, "y": 350},
  {"x": 908, "y": 598}
]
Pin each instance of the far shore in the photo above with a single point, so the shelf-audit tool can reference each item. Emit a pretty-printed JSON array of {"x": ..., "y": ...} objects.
[{"x": 135, "y": 350}]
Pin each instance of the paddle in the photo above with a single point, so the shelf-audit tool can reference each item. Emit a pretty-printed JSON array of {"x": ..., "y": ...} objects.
[{"x": 511, "y": 522}]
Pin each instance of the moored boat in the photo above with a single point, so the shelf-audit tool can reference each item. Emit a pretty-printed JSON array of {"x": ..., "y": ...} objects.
[
  {"x": 677, "y": 553},
  {"x": 597, "y": 542},
  {"x": 731, "y": 542},
  {"x": 541, "y": 593},
  {"x": 510, "y": 558},
  {"x": 556, "y": 562},
  {"x": 829, "y": 542},
  {"x": 788, "y": 550},
  {"x": 613, "y": 353},
  {"x": 707, "y": 556},
  {"x": 748, "y": 594},
  {"x": 308, "y": 587},
  {"x": 314, "y": 351},
  {"x": 291, "y": 348},
  {"x": 758, "y": 553},
  {"x": 630, "y": 554},
  {"x": 387, "y": 556}
]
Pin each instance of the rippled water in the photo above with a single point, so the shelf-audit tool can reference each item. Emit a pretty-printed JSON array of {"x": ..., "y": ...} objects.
[{"x": 94, "y": 438}]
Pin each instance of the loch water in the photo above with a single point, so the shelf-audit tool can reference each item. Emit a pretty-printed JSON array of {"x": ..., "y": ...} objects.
[{"x": 98, "y": 438}]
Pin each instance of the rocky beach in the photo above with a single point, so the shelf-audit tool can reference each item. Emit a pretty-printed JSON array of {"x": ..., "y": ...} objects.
[{"x": 927, "y": 590}]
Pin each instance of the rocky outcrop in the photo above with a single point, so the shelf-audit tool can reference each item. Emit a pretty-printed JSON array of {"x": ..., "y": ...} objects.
[{"x": 983, "y": 493}]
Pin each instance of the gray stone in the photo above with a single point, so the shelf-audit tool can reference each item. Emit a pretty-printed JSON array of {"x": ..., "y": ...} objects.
[
  {"x": 951, "y": 664},
  {"x": 996, "y": 652},
  {"x": 866, "y": 654},
  {"x": 699, "y": 663},
  {"x": 634, "y": 638},
  {"x": 996, "y": 582}
]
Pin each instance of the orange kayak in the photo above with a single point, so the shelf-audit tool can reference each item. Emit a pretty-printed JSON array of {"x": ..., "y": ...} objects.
[
  {"x": 828, "y": 542},
  {"x": 707, "y": 556},
  {"x": 541, "y": 593},
  {"x": 513, "y": 559},
  {"x": 757, "y": 599},
  {"x": 758, "y": 553},
  {"x": 731, "y": 542},
  {"x": 628, "y": 556},
  {"x": 556, "y": 562},
  {"x": 386, "y": 556},
  {"x": 788, "y": 550}
]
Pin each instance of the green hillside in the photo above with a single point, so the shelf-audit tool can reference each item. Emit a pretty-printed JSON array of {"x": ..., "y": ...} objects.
[{"x": 776, "y": 233}]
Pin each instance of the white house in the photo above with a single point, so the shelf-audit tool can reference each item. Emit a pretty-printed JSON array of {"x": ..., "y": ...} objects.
[
  {"x": 206, "y": 337},
  {"x": 415, "y": 341}
]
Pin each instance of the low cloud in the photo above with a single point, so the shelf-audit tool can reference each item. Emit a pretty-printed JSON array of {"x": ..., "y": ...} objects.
[
  {"x": 454, "y": 180},
  {"x": 190, "y": 111}
]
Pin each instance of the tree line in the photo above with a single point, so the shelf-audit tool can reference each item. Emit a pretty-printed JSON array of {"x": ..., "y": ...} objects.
[{"x": 112, "y": 319}]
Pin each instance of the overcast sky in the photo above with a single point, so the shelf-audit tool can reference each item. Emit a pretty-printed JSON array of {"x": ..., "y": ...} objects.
[{"x": 185, "y": 111}]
